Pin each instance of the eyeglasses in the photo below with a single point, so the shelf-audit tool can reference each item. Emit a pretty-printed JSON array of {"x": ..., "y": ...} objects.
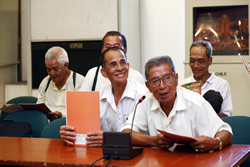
[{"x": 154, "y": 82}]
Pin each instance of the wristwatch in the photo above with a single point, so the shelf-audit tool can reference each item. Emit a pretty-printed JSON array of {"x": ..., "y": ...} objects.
[{"x": 220, "y": 146}]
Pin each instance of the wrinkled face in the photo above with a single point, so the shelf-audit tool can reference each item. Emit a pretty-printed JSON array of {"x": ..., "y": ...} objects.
[
  {"x": 116, "y": 67},
  {"x": 113, "y": 41},
  {"x": 199, "y": 62},
  {"x": 56, "y": 71},
  {"x": 165, "y": 92}
]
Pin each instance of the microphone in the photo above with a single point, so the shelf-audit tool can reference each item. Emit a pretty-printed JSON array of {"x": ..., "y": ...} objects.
[
  {"x": 119, "y": 145},
  {"x": 139, "y": 101}
]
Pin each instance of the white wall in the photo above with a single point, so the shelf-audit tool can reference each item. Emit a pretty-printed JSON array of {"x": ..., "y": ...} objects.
[
  {"x": 72, "y": 19},
  {"x": 163, "y": 31},
  {"x": 26, "y": 45},
  {"x": 129, "y": 25},
  {"x": 8, "y": 44}
]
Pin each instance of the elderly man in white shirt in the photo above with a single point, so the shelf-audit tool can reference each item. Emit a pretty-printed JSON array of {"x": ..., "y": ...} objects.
[
  {"x": 59, "y": 80},
  {"x": 117, "y": 100},
  {"x": 175, "y": 110},
  {"x": 200, "y": 60}
]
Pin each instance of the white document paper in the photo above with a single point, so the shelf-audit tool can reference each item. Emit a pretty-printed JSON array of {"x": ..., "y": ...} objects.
[{"x": 81, "y": 139}]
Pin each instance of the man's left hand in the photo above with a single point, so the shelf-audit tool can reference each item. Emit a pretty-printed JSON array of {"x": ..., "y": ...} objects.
[
  {"x": 94, "y": 139},
  {"x": 205, "y": 144}
]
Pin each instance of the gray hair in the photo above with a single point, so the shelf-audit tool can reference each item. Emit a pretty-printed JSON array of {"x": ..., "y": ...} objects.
[
  {"x": 207, "y": 45},
  {"x": 57, "y": 53},
  {"x": 157, "y": 61}
]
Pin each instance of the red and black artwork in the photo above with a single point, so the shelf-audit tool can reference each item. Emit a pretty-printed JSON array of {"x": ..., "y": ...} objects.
[{"x": 226, "y": 28}]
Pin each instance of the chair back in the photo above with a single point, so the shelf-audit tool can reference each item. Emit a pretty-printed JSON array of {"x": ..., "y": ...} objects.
[
  {"x": 37, "y": 120},
  {"x": 240, "y": 126},
  {"x": 52, "y": 129},
  {"x": 17, "y": 100},
  {"x": 22, "y": 99}
]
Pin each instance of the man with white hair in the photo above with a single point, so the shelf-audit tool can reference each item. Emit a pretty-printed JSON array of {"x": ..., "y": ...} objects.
[{"x": 59, "y": 80}]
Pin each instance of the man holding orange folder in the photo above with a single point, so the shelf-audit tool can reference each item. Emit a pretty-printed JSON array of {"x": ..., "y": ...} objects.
[{"x": 117, "y": 100}]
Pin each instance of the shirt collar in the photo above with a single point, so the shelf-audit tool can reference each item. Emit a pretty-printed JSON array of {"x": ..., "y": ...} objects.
[
  {"x": 209, "y": 80},
  {"x": 107, "y": 92},
  {"x": 64, "y": 86},
  {"x": 127, "y": 91}
]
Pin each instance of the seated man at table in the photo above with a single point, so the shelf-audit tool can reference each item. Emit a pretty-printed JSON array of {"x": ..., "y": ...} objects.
[
  {"x": 59, "y": 80},
  {"x": 177, "y": 110},
  {"x": 199, "y": 62},
  {"x": 117, "y": 100}
]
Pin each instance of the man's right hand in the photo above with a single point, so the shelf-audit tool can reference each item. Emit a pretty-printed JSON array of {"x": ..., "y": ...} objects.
[
  {"x": 163, "y": 142},
  {"x": 159, "y": 140},
  {"x": 54, "y": 115},
  {"x": 67, "y": 134}
]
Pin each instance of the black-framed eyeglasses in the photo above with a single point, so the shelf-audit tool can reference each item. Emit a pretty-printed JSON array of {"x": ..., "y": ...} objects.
[{"x": 167, "y": 78}]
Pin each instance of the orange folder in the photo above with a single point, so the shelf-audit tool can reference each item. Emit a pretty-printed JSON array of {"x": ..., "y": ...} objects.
[{"x": 83, "y": 111}]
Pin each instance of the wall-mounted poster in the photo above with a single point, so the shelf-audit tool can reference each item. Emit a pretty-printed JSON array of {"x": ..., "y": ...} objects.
[{"x": 225, "y": 27}]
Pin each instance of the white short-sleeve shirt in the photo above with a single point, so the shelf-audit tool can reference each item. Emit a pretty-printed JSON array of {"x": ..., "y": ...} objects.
[
  {"x": 190, "y": 116},
  {"x": 55, "y": 99},
  {"x": 217, "y": 84},
  {"x": 112, "y": 116}
]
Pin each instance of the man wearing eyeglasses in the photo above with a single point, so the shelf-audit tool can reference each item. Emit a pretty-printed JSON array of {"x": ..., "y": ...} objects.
[{"x": 176, "y": 110}]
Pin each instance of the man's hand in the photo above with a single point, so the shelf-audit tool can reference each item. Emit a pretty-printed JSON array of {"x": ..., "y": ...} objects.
[
  {"x": 95, "y": 139},
  {"x": 205, "y": 144},
  {"x": 222, "y": 115},
  {"x": 163, "y": 142},
  {"x": 67, "y": 134},
  {"x": 54, "y": 115}
]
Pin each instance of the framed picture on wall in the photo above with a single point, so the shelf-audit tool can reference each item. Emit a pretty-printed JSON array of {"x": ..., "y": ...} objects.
[{"x": 225, "y": 27}]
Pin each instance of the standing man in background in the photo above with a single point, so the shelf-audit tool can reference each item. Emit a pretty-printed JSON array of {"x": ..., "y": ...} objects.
[
  {"x": 59, "y": 80},
  {"x": 111, "y": 39},
  {"x": 199, "y": 62}
]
